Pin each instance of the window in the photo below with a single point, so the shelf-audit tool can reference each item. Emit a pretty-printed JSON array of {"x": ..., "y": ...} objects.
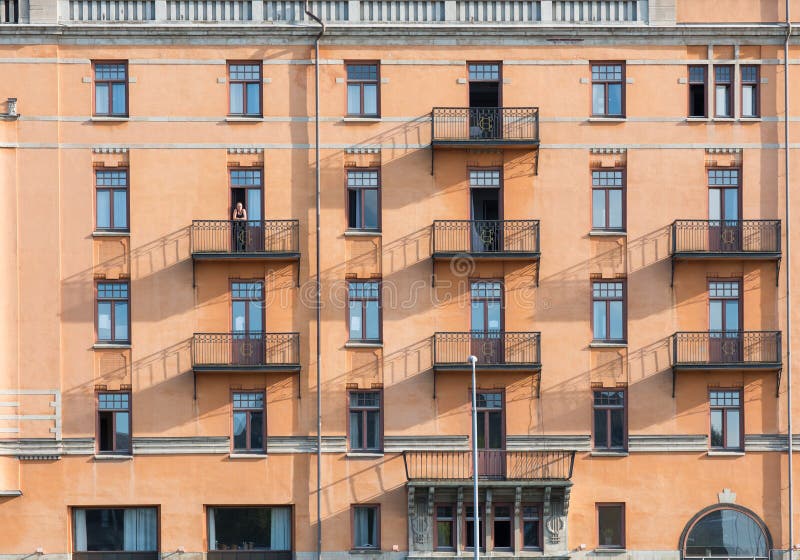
[
  {"x": 697, "y": 91},
  {"x": 608, "y": 89},
  {"x": 365, "y": 420},
  {"x": 608, "y": 209},
  {"x": 111, "y": 198},
  {"x": 750, "y": 91},
  {"x": 502, "y": 527},
  {"x": 445, "y": 533},
  {"x": 609, "y": 419},
  {"x": 248, "y": 421},
  {"x": 531, "y": 527},
  {"x": 111, "y": 89},
  {"x": 244, "y": 79},
  {"x": 726, "y": 419},
  {"x": 366, "y": 527},
  {"x": 611, "y": 525},
  {"x": 250, "y": 528},
  {"x": 726, "y": 531},
  {"x": 114, "y": 422},
  {"x": 363, "y": 199},
  {"x": 469, "y": 527},
  {"x": 723, "y": 76},
  {"x": 364, "y": 311},
  {"x": 113, "y": 321},
  {"x": 115, "y": 529},
  {"x": 608, "y": 311},
  {"x": 362, "y": 90}
]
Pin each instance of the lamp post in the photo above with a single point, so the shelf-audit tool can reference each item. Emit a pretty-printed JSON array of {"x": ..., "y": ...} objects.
[{"x": 475, "y": 507}]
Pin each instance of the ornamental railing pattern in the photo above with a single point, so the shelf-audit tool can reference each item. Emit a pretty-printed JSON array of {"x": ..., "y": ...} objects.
[
  {"x": 209, "y": 10},
  {"x": 726, "y": 236},
  {"x": 476, "y": 125},
  {"x": 492, "y": 348},
  {"x": 211, "y": 350},
  {"x": 486, "y": 236},
  {"x": 247, "y": 237},
  {"x": 726, "y": 348},
  {"x": 498, "y": 464},
  {"x": 112, "y": 10}
]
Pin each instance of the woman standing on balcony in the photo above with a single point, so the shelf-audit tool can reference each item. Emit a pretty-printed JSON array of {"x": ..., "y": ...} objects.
[{"x": 239, "y": 219}]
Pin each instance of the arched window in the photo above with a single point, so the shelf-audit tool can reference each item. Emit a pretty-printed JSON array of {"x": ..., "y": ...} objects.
[{"x": 726, "y": 532}]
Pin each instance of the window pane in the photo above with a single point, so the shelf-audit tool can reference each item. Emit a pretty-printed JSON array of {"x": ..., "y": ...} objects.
[
  {"x": 600, "y": 428},
  {"x": 373, "y": 429},
  {"x": 121, "y": 320},
  {"x": 530, "y": 534},
  {"x": 371, "y": 209},
  {"x": 238, "y": 315},
  {"x": 356, "y": 441},
  {"x": 237, "y": 99},
  {"x": 123, "y": 431},
  {"x": 716, "y": 428},
  {"x": 104, "y": 321},
  {"x": 106, "y": 427},
  {"x": 120, "y": 209},
  {"x": 617, "y": 428},
  {"x": 103, "y": 209},
  {"x": 732, "y": 315},
  {"x": 732, "y": 425},
  {"x": 727, "y": 533},
  {"x": 598, "y": 99},
  {"x": 257, "y": 430},
  {"x": 697, "y": 100},
  {"x": 240, "y": 430},
  {"x": 722, "y": 101},
  {"x": 600, "y": 320},
  {"x": 481, "y": 430},
  {"x": 353, "y": 209},
  {"x": 615, "y": 323},
  {"x": 253, "y": 99},
  {"x": 495, "y": 430},
  {"x": 614, "y": 99},
  {"x": 118, "y": 98},
  {"x": 105, "y": 529},
  {"x": 502, "y": 533},
  {"x": 365, "y": 530},
  {"x": 370, "y": 99},
  {"x": 353, "y": 99},
  {"x": 235, "y": 526},
  {"x": 731, "y": 204},
  {"x": 373, "y": 321},
  {"x": 598, "y": 208},
  {"x": 101, "y": 99},
  {"x": 254, "y": 316},
  {"x": 356, "y": 329},
  {"x": 610, "y": 525},
  {"x": 444, "y": 534},
  {"x": 748, "y": 101},
  {"x": 615, "y": 208}
]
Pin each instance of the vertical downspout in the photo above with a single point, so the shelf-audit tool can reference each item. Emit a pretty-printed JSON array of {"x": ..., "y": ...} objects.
[
  {"x": 788, "y": 228},
  {"x": 318, "y": 295}
]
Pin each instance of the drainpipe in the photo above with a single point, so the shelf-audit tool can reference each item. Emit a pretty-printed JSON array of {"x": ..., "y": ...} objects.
[
  {"x": 788, "y": 227},
  {"x": 318, "y": 295}
]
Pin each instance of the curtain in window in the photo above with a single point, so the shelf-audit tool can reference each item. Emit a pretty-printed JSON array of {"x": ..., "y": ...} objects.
[
  {"x": 280, "y": 529},
  {"x": 364, "y": 519},
  {"x": 212, "y": 530},
  {"x": 80, "y": 530},
  {"x": 140, "y": 529}
]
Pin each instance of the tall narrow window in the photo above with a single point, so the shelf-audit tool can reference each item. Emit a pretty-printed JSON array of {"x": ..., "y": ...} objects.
[
  {"x": 114, "y": 422},
  {"x": 469, "y": 527},
  {"x": 113, "y": 320},
  {"x": 445, "y": 522},
  {"x": 750, "y": 95},
  {"x": 364, "y": 311},
  {"x": 611, "y": 525},
  {"x": 104, "y": 529},
  {"x": 502, "y": 527},
  {"x": 363, "y": 199},
  {"x": 608, "y": 89},
  {"x": 250, "y": 528},
  {"x": 362, "y": 90},
  {"x": 365, "y": 421},
  {"x": 366, "y": 527},
  {"x": 608, "y": 311},
  {"x": 609, "y": 420},
  {"x": 111, "y": 89},
  {"x": 248, "y": 421},
  {"x": 697, "y": 91},
  {"x": 244, "y": 79},
  {"x": 608, "y": 207},
  {"x": 726, "y": 419},
  {"x": 723, "y": 89},
  {"x": 531, "y": 527},
  {"x": 111, "y": 195}
]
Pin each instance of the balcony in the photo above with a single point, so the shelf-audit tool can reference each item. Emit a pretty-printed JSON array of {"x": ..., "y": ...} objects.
[
  {"x": 725, "y": 351},
  {"x": 486, "y": 239},
  {"x": 495, "y": 350},
  {"x": 245, "y": 240},
  {"x": 726, "y": 240},
  {"x": 246, "y": 352},
  {"x": 485, "y": 127},
  {"x": 454, "y": 468}
]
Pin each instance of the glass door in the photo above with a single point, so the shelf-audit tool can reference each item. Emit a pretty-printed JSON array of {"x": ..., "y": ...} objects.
[
  {"x": 487, "y": 322},
  {"x": 724, "y": 322},
  {"x": 725, "y": 226},
  {"x": 247, "y": 317},
  {"x": 248, "y": 227},
  {"x": 491, "y": 436}
]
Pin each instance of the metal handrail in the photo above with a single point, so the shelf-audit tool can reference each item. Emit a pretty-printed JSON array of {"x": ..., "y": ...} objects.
[
  {"x": 246, "y": 349},
  {"x": 486, "y": 236},
  {"x": 245, "y": 236},
  {"x": 481, "y": 124},
  {"x": 726, "y": 236},
  {"x": 491, "y": 347},
  {"x": 726, "y": 347},
  {"x": 493, "y": 464}
]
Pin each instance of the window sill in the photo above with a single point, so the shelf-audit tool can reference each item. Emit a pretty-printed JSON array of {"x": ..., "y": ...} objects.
[
  {"x": 10, "y": 493},
  {"x": 109, "y": 119},
  {"x": 355, "y": 344},
  {"x": 362, "y": 233},
  {"x": 245, "y": 456},
  {"x": 112, "y": 457},
  {"x": 697, "y": 119},
  {"x": 723, "y": 119},
  {"x": 234, "y": 119},
  {"x": 110, "y": 345},
  {"x": 600, "y": 344},
  {"x": 366, "y": 551},
  {"x": 607, "y": 233},
  {"x": 750, "y": 119},
  {"x": 361, "y": 119},
  {"x": 7, "y": 117},
  {"x": 599, "y": 550},
  {"x": 364, "y": 454},
  {"x": 120, "y": 233},
  {"x": 599, "y": 119},
  {"x": 726, "y": 453},
  {"x": 608, "y": 454}
]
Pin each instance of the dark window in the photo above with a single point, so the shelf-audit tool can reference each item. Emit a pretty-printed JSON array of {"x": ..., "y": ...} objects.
[
  {"x": 697, "y": 91},
  {"x": 469, "y": 526},
  {"x": 362, "y": 90},
  {"x": 250, "y": 528},
  {"x": 608, "y": 311},
  {"x": 115, "y": 529},
  {"x": 608, "y": 89},
  {"x": 726, "y": 419},
  {"x": 111, "y": 195},
  {"x": 113, "y": 320},
  {"x": 611, "y": 525},
  {"x": 609, "y": 419},
  {"x": 445, "y": 533},
  {"x": 248, "y": 421},
  {"x": 502, "y": 530},
  {"x": 750, "y": 91},
  {"x": 490, "y": 429},
  {"x": 725, "y": 533},
  {"x": 114, "y": 422},
  {"x": 244, "y": 81},
  {"x": 608, "y": 207},
  {"x": 363, "y": 199},
  {"x": 366, "y": 527},
  {"x": 723, "y": 89},
  {"x": 111, "y": 89},
  {"x": 365, "y": 420},
  {"x": 531, "y": 527},
  {"x": 364, "y": 311}
]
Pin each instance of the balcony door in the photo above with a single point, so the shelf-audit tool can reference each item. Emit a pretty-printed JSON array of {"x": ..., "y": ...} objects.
[
  {"x": 247, "y": 323},
  {"x": 247, "y": 189},
  {"x": 724, "y": 197},
  {"x": 491, "y": 435},
  {"x": 487, "y": 321},
  {"x": 725, "y": 322},
  {"x": 485, "y": 121},
  {"x": 485, "y": 191}
]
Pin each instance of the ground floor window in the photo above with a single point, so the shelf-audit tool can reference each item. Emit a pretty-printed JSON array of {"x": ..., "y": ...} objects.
[
  {"x": 726, "y": 532},
  {"x": 250, "y": 528},
  {"x": 101, "y": 529}
]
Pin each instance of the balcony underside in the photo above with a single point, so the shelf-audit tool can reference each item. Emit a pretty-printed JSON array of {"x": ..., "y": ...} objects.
[
  {"x": 245, "y": 256},
  {"x": 235, "y": 368},
  {"x": 489, "y": 483},
  {"x": 485, "y": 143},
  {"x": 699, "y": 369},
  {"x": 700, "y": 256},
  {"x": 485, "y": 256},
  {"x": 488, "y": 368}
]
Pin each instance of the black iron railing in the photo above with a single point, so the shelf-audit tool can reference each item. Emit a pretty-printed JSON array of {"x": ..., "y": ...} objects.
[
  {"x": 9, "y": 11},
  {"x": 220, "y": 350},
  {"x": 245, "y": 237},
  {"x": 115, "y": 555},
  {"x": 493, "y": 348},
  {"x": 486, "y": 236},
  {"x": 498, "y": 464},
  {"x": 485, "y": 124},
  {"x": 726, "y": 348},
  {"x": 726, "y": 236}
]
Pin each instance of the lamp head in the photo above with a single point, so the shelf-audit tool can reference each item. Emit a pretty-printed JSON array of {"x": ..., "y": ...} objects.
[{"x": 472, "y": 359}]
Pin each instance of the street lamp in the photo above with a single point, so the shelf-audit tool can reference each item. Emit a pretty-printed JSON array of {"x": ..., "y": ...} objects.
[{"x": 475, "y": 508}]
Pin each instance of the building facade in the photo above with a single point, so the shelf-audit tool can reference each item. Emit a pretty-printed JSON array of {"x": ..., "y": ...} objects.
[{"x": 588, "y": 196}]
